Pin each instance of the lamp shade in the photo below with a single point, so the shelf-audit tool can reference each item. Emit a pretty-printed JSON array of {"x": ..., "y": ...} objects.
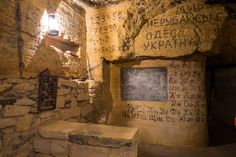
[{"x": 53, "y": 27}]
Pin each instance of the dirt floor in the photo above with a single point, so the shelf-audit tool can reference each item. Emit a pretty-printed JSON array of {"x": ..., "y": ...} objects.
[
  {"x": 222, "y": 143},
  {"x": 164, "y": 151}
]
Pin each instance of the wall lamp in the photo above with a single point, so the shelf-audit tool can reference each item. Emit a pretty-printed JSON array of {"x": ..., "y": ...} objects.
[{"x": 53, "y": 26}]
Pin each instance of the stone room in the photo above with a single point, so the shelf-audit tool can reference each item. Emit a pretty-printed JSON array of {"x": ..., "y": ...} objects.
[{"x": 117, "y": 78}]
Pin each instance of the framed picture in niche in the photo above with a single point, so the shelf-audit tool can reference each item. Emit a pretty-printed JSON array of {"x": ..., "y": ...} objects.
[
  {"x": 144, "y": 84},
  {"x": 47, "y": 91}
]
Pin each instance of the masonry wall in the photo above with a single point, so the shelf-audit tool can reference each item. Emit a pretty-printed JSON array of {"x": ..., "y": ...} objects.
[
  {"x": 131, "y": 34},
  {"x": 180, "y": 119},
  {"x": 25, "y": 52}
]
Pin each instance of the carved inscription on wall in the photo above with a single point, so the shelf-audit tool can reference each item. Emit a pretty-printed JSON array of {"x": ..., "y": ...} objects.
[
  {"x": 47, "y": 91},
  {"x": 181, "y": 30},
  {"x": 149, "y": 84},
  {"x": 186, "y": 102},
  {"x": 103, "y": 27}
]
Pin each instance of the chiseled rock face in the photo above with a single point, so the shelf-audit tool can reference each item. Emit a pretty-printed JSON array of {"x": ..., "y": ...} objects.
[
  {"x": 8, "y": 52},
  {"x": 153, "y": 28},
  {"x": 182, "y": 30},
  {"x": 61, "y": 138},
  {"x": 21, "y": 38}
]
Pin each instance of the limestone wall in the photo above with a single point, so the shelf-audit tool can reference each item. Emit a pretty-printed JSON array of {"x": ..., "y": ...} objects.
[
  {"x": 137, "y": 30},
  {"x": 23, "y": 34},
  {"x": 180, "y": 118},
  {"x": 20, "y": 117},
  {"x": 26, "y": 51},
  {"x": 154, "y": 28}
]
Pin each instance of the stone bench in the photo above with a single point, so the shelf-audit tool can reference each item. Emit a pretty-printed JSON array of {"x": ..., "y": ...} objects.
[{"x": 62, "y": 138}]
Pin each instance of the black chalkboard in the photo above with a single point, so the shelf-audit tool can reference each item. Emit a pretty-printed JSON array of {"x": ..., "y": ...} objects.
[{"x": 145, "y": 84}]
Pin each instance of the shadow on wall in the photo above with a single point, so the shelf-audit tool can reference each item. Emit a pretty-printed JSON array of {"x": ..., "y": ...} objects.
[
  {"x": 45, "y": 58},
  {"x": 222, "y": 109},
  {"x": 61, "y": 57}
]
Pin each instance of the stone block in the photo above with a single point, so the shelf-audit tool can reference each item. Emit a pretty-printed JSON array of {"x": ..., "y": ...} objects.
[
  {"x": 47, "y": 115},
  {"x": 97, "y": 151},
  {"x": 63, "y": 91},
  {"x": 68, "y": 83},
  {"x": 8, "y": 140},
  {"x": 24, "y": 87},
  {"x": 60, "y": 102},
  {"x": 5, "y": 86},
  {"x": 87, "y": 151},
  {"x": 25, "y": 102},
  {"x": 25, "y": 150},
  {"x": 82, "y": 85},
  {"x": 86, "y": 109},
  {"x": 73, "y": 103},
  {"x": 59, "y": 147},
  {"x": 11, "y": 111},
  {"x": 57, "y": 130},
  {"x": 43, "y": 155},
  {"x": 1, "y": 145},
  {"x": 41, "y": 145},
  {"x": 24, "y": 123},
  {"x": 6, "y": 122},
  {"x": 71, "y": 112},
  {"x": 90, "y": 139},
  {"x": 8, "y": 130},
  {"x": 83, "y": 96}
]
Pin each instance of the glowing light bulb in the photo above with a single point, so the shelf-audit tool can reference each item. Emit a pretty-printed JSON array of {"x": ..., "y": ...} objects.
[{"x": 53, "y": 27}]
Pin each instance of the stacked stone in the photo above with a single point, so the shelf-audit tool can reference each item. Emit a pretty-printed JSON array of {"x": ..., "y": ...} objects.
[
  {"x": 20, "y": 117},
  {"x": 101, "y": 101},
  {"x": 63, "y": 138}
]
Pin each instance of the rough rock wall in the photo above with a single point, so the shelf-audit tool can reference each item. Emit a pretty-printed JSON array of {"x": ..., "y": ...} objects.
[
  {"x": 137, "y": 29},
  {"x": 225, "y": 45},
  {"x": 101, "y": 100},
  {"x": 223, "y": 96},
  {"x": 22, "y": 33},
  {"x": 20, "y": 117},
  {"x": 171, "y": 109},
  {"x": 25, "y": 50}
]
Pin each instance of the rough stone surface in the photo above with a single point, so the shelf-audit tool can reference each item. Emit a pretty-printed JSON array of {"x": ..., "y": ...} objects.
[
  {"x": 85, "y": 150},
  {"x": 6, "y": 122},
  {"x": 153, "y": 29},
  {"x": 91, "y": 140},
  {"x": 21, "y": 117},
  {"x": 24, "y": 123},
  {"x": 59, "y": 148},
  {"x": 32, "y": 32},
  {"x": 178, "y": 120},
  {"x": 117, "y": 30},
  {"x": 25, "y": 102},
  {"x": 42, "y": 145},
  {"x": 100, "y": 99},
  {"x": 25, "y": 150},
  {"x": 93, "y": 134},
  {"x": 11, "y": 111}
]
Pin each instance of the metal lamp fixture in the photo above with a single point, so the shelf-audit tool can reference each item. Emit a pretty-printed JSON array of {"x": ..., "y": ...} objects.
[{"x": 53, "y": 28}]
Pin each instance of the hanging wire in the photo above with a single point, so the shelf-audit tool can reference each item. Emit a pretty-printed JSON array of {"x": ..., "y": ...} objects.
[{"x": 19, "y": 39}]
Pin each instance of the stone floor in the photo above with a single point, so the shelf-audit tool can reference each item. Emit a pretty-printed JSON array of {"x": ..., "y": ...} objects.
[
  {"x": 164, "y": 151},
  {"x": 222, "y": 140}
]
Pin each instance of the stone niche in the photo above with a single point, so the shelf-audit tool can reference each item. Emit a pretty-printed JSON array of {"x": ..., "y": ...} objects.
[{"x": 173, "y": 109}]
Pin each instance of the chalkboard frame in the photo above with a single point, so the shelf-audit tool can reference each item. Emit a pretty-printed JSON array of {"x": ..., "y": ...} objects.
[{"x": 124, "y": 96}]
